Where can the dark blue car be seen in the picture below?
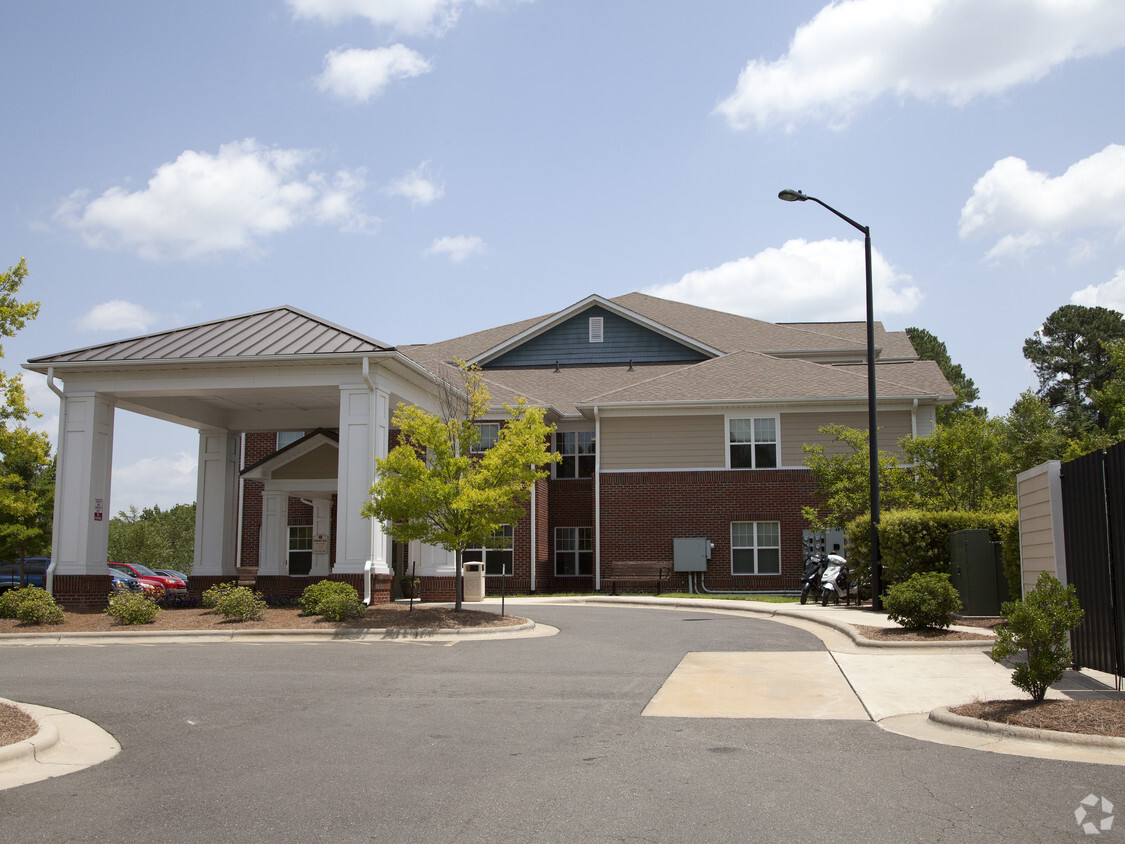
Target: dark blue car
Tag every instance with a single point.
(33, 573)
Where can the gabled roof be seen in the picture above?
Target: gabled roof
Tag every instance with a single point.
(299, 448)
(277, 332)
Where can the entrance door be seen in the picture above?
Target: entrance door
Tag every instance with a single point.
(300, 549)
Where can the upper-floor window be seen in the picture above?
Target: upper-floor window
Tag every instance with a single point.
(487, 435)
(753, 443)
(497, 559)
(577, 449)
(574, 551)
(285, 438)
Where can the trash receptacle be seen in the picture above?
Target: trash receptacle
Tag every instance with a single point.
(474, 581)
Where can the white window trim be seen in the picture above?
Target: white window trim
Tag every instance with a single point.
(756, 548)
(290, 436)
(476, 447)
(776, 417)
(575, 454)
(574, 529)
(508, 571)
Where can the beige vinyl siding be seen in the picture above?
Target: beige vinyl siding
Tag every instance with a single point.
(1038, 543)
(800, 428)
(662, 442)
(319, 463)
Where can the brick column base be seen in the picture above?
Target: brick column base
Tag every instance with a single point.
(82, 591)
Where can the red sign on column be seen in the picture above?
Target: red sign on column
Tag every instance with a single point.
(97, 509)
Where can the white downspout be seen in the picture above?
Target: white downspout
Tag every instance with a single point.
(533, 528)
(49, 577)
(241, 499)
(597, 500)
(914, 420)
(370, 564)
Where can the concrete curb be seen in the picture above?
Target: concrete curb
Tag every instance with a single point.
(140, 637)
(943, 716)
(46, 737)
(775, 611)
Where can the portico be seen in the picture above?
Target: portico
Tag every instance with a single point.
(280, 369)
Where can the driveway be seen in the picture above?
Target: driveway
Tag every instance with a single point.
(537, 739)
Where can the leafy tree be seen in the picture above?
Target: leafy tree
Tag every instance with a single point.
(434, 488)
(842, 477)
(26, 471)
(963, 465)
(153, 537)
(1072, 360)
(1032, 433)
(929, 347)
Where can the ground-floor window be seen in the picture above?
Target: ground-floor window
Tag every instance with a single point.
(497, 558)
(300, 549)
(574, 551)
(755, 548)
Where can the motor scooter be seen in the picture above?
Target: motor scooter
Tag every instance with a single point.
(834, 580)
(810, 580)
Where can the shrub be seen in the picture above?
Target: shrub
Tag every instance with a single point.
(132, 608)
(315, 593)
(33, 605)
(339, 606)
(211, 595)
(240, 603)
(925, 600)
(1039, 625)
(10, 602)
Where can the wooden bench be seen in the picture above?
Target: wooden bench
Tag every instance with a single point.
(638, 571)
(247, 576)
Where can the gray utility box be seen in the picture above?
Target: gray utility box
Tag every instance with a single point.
(474, 581)
(691, 554)
(976, 570)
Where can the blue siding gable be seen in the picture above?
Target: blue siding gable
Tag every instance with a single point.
(623, 341)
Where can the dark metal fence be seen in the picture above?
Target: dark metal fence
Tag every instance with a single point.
(1093, 493)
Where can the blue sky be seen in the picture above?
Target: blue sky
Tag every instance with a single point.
(419, 169)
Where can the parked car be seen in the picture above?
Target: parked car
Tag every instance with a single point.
(179, 575)
(122, 582)
(34, 573)
(169, 585)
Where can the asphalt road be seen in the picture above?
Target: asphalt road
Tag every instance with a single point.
(502, 740)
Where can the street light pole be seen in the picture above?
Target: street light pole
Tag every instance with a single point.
(872, 422)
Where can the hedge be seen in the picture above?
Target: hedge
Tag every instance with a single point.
(916, 541)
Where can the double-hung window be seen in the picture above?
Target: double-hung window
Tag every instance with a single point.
(577, 449)
(753, 443)
(755, 548)
(487, 435)
(285, 438)
(497, 558)
(574, 551)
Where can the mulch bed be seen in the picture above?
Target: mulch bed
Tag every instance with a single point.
(15, 725)
(1090, 717)
(926, 634)
(390, 616)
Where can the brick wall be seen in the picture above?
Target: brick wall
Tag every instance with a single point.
(642, 512)
(81, 591)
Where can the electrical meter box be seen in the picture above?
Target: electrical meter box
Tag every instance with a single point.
(691, 554)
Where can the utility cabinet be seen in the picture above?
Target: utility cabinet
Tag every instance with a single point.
(691, 553)
(976, 570)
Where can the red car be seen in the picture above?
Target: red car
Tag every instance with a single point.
(168, 585)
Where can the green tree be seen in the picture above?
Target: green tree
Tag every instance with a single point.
(842, 478)
(963, 465)
(1032, 433)
(929, 347)
(26, 471)
(1072, 360)
(433, 487)
(163, 539)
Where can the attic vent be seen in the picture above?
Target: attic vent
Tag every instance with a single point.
(596, 333)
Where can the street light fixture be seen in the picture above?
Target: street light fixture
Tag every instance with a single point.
(872, 426)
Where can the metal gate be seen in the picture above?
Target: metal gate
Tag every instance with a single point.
(1093, 494)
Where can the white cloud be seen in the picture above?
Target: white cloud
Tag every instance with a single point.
(358, 75)
(418, 186)
(800, 282)
(853, 52)
(412, 17)
(117, 315)
(458, 248)
(1011, 197)
(201, 204)
(154, 480)
(1108, 295)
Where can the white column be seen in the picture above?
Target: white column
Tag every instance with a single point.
(364, 430)
(82, 480)
(274, 545)
(322, 530)
(215, 491)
